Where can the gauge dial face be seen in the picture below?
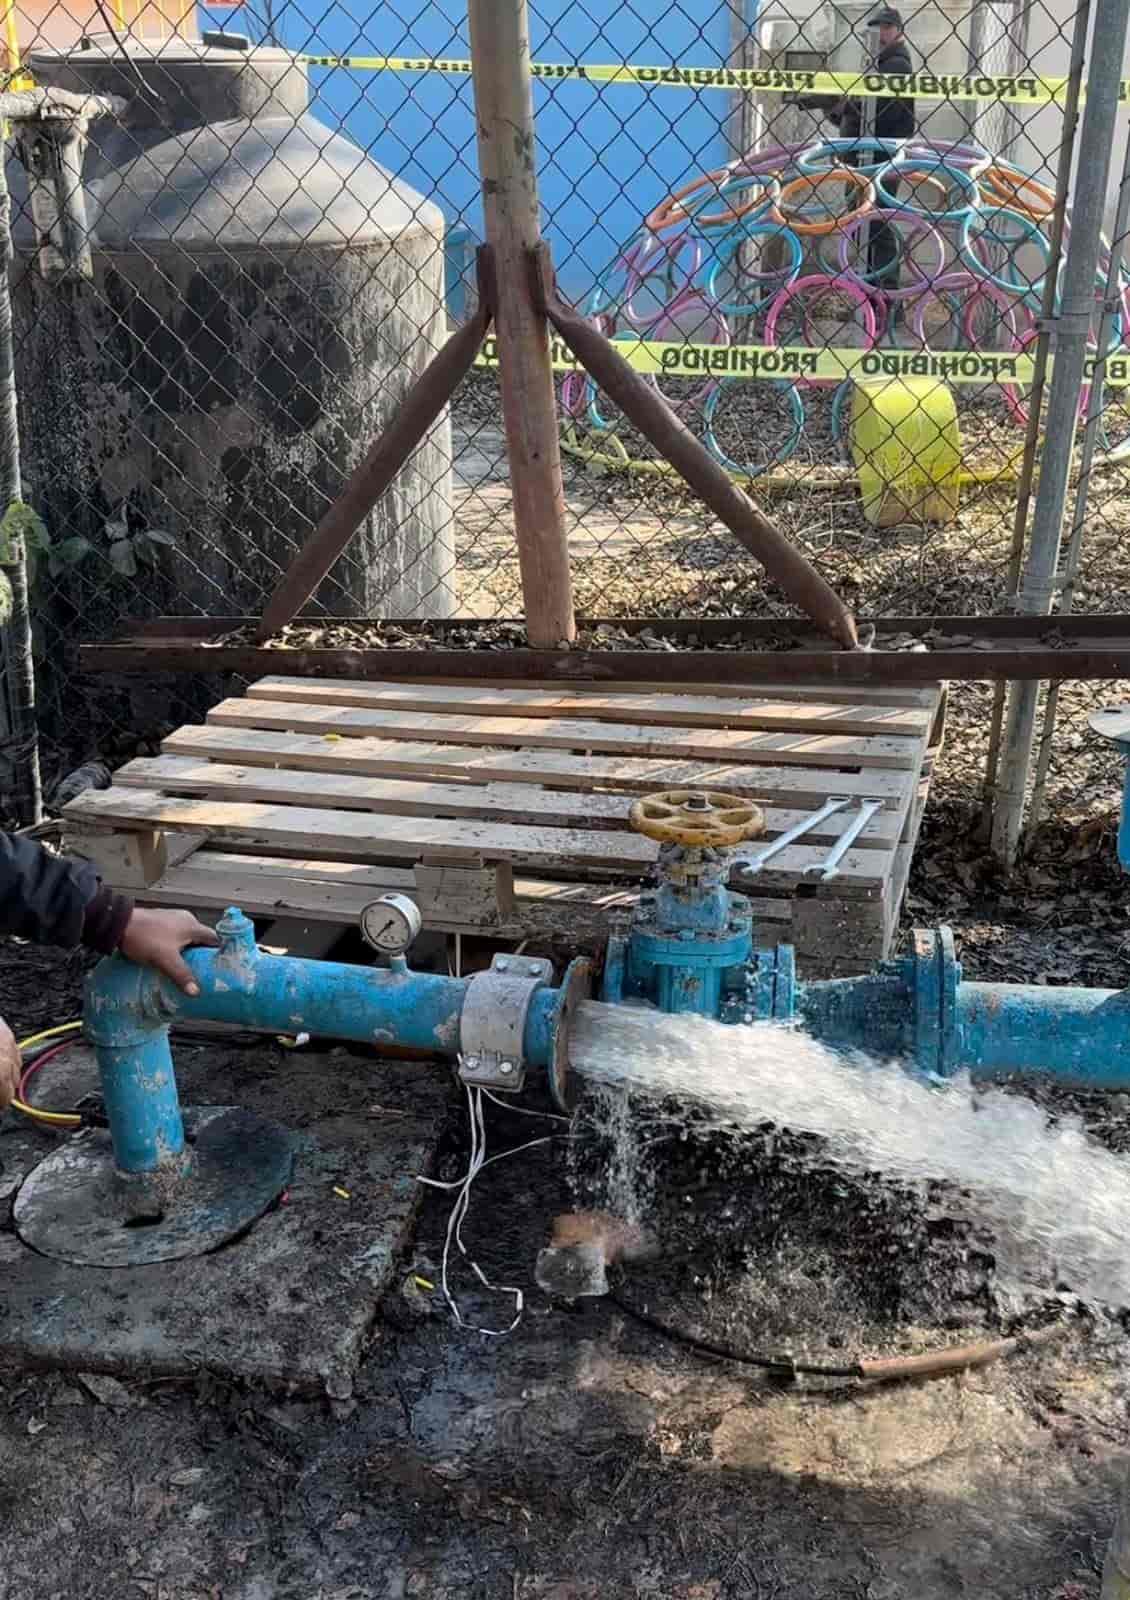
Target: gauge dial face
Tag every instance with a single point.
(390, 924)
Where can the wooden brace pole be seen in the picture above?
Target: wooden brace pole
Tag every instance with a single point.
(500, 60)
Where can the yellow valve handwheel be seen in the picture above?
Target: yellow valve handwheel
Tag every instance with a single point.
(697, 817)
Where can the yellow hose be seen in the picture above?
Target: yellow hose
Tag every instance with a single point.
(622, 461)
(53, 1119)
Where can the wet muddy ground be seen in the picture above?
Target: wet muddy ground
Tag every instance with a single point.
(587, 1456)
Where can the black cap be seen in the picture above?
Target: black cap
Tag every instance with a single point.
(885, 17)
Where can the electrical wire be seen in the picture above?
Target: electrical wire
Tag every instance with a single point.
(51, 1119)
(477, 1160)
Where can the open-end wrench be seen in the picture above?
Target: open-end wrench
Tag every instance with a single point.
(830, 866)
(752, 864)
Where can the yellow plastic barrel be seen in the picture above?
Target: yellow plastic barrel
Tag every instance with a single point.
(906, 446)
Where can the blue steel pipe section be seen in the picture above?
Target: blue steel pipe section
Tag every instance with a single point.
(139, 1088)
(129, 1010)
(920, 1009)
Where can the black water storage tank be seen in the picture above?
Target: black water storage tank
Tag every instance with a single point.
(263, 296)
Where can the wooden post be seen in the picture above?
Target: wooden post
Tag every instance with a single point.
(500, 57)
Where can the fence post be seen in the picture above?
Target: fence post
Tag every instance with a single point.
(500, 64)
(19, 730)
(1027, 477)
(1095, 405)
(1073, 324)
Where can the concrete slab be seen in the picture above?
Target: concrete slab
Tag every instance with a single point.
(290, 1302)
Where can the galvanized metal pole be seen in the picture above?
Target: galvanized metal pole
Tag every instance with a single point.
(1073, 324)
(1027, 479)
(1083, 485)
(19, 734)
(504, 115)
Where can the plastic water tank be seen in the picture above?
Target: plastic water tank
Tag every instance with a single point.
(263, 296)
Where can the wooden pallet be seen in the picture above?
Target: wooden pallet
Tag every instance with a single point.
(504, 809)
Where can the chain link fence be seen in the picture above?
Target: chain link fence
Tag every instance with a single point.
(284, 223)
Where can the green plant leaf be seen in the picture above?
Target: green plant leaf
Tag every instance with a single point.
(122, 557)
(70, 552)
(21, 522)
(161, 536)
(116, 530)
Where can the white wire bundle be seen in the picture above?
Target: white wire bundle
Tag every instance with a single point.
(477, 1161)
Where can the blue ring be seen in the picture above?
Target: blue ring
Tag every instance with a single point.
(1032, 234)
(741, 235)
(839, 399)
(807, 160)
(960, 178)
(796, 406)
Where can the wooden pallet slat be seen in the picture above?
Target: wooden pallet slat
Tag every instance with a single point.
(802, 787)
(504, 808)
(765, 714)
(698, 744)
(515, 803)
(340, 833)
(336, 893)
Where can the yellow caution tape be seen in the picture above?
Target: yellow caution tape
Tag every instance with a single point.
(1028, 89)
(787, 364)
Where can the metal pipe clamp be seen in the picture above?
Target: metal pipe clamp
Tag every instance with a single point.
(492, 1025)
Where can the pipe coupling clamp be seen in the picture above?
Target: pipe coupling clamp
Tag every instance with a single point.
(492, 1025)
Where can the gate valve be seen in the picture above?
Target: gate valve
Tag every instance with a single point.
(697, 818)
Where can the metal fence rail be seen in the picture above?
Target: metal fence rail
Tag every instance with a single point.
(840, 276)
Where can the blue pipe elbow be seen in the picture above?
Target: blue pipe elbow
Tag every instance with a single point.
(129, 1010)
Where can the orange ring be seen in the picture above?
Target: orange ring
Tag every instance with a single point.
(671, 211)
(1008, 190)
(719, 219)
(814, 180)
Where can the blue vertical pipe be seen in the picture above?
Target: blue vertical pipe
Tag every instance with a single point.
(139, 1088)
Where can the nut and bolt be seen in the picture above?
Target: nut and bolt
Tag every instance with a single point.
(506, 1068)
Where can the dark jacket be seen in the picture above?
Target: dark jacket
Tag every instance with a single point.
(894, 119)
(54, 900)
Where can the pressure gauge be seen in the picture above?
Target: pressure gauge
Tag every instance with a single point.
(390, 924)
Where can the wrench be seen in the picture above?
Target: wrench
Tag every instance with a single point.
(752, 864)
(830, 866)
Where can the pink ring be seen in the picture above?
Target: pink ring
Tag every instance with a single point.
(824, 282)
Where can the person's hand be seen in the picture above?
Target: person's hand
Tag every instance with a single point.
(9, 1066)
(155, 938)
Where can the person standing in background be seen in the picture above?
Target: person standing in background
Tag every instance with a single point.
(894, 119)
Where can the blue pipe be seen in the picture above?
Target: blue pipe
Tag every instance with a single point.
(129, 1010)
(919, 1008)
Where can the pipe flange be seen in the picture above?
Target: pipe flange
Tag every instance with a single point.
(493, 1020)
(936, 978)
(576, 986)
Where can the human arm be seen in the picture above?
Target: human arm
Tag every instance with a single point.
(61, 901)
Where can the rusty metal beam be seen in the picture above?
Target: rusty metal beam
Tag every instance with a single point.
(980, 648)
(372, 476)
(646, 407)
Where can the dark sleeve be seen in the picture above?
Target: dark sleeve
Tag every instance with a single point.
(54, 900)
(896, 119)
(850, 119)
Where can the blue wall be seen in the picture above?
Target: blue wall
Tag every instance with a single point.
(606, 157)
